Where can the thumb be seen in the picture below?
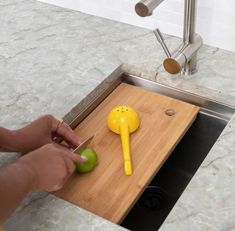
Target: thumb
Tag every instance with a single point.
(77, 158)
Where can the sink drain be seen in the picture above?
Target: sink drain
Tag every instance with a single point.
(154, 198)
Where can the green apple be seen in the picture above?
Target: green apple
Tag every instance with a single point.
(91, 162)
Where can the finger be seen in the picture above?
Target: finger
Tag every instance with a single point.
(54, 188)
(70, 166)
(76, 158)
(68, 169)
(55, 123)
(62, 146)
(64, 130)
(65, 146)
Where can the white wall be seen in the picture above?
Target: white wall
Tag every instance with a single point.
(215, 21)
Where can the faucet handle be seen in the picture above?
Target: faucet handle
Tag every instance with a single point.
(171, 64)
(160, 39)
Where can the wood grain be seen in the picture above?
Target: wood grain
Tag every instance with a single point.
(107, 191)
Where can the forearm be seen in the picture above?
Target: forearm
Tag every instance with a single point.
(8, 141)
(16, 181)
(17, 140)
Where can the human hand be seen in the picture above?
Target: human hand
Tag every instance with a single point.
(49, 166)
(46, 168)
(43, 131)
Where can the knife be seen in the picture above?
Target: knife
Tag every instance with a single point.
(83, 145)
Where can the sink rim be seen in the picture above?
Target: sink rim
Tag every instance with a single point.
(83, 108)
(207, 106)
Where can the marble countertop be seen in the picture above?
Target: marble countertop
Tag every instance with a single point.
(52, 58)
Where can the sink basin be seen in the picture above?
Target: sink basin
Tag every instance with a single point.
(169, 183)
(161, 194)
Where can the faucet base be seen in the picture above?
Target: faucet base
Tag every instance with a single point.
(188, 72)
(190, 67)
(184, 59)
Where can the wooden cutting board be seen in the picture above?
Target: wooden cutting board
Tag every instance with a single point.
(107, 191)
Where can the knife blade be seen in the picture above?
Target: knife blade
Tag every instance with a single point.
(84, 144)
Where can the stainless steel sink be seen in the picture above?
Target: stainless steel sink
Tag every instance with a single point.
(169, 183)
(161, 195)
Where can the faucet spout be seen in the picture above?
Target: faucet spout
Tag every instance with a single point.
(145, 7)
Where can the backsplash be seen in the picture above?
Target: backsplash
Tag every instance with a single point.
(215, 19)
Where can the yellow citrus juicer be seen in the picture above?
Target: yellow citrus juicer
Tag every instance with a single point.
(124, 120)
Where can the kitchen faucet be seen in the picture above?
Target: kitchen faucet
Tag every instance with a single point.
(184, 58)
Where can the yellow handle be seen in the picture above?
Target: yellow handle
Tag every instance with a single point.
(126, 148)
